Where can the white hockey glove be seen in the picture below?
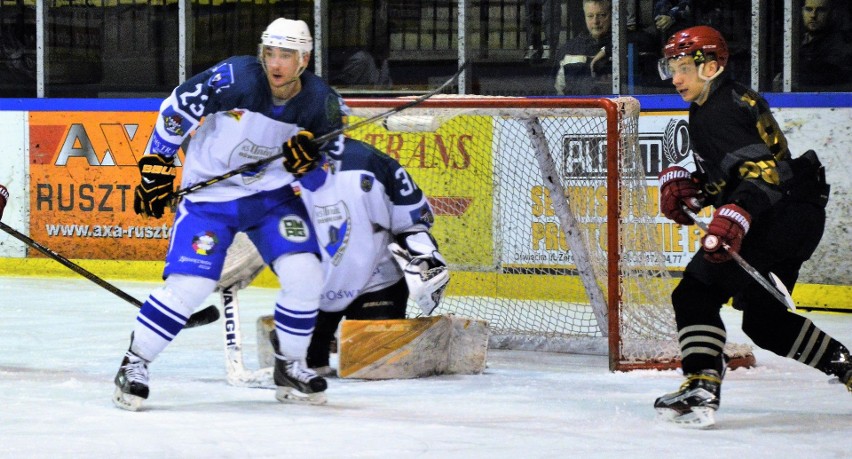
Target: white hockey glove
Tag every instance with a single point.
(243, 264)
(425, 270)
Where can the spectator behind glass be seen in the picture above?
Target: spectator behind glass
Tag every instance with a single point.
(537, 24)
(671, 15)
(585, 65)
(365, 71)
(824, 57)
(674, 15)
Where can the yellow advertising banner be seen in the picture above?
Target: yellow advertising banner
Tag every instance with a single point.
(83, 171)
(449, 165)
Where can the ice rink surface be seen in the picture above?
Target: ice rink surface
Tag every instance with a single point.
(62, 340)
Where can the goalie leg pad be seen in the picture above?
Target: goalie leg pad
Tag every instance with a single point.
(412, 348)
(243, 264)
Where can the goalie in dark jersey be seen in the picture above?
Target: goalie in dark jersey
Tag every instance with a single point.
(769, 208)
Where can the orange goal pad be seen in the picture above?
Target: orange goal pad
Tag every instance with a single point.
(412, 348)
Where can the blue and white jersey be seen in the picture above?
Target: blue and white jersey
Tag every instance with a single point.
(241, 124)
(366, 199)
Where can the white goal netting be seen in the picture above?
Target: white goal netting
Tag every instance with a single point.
(545, 215)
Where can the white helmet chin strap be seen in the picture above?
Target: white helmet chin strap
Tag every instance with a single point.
(711, 77)
(301, 68)
(707, 80)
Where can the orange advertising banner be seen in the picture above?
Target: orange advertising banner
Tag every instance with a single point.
(83, 171)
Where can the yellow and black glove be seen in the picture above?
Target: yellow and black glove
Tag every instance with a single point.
(156, 189)
(301, 154)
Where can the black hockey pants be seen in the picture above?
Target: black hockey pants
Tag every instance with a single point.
(779, 241)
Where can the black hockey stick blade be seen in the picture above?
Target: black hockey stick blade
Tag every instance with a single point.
(779, 291)
(321, 139)
(205, 316)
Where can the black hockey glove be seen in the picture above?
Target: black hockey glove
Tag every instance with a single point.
(156, 189)
(301, 154)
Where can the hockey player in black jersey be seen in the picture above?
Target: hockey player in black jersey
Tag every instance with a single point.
(769, 208)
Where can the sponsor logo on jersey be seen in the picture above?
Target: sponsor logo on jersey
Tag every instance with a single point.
(294, 229)
(367, 182)
(173, 124)
(205, 243)
(334, 227)
(223, 77)
(249, 152)
(236, 114)
(423, 214)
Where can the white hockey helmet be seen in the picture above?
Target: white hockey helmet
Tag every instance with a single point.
(289, 34)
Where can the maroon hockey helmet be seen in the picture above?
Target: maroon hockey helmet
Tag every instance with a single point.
(698, 42)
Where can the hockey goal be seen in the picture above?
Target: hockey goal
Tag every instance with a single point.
(544, 212)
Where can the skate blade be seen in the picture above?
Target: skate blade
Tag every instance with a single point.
(290, 395)
(127, 402)
(697, 418)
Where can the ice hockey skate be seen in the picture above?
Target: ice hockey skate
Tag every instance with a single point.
(296, 383)
(131, 382)
(695, 404)
(326, 371)
(840, 365)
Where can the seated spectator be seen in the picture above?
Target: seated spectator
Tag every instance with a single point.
(585, 66)
(585, 62)
(824, 57)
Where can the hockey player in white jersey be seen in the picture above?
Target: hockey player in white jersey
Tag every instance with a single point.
(253, 107)
(372, 224)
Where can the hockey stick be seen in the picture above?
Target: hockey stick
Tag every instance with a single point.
(321, 139)
(779, 291)
(237, 374)
(203, 317)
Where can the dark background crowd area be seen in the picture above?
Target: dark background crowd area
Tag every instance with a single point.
(130, 48)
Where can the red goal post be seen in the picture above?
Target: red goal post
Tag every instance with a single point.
(529, 194)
